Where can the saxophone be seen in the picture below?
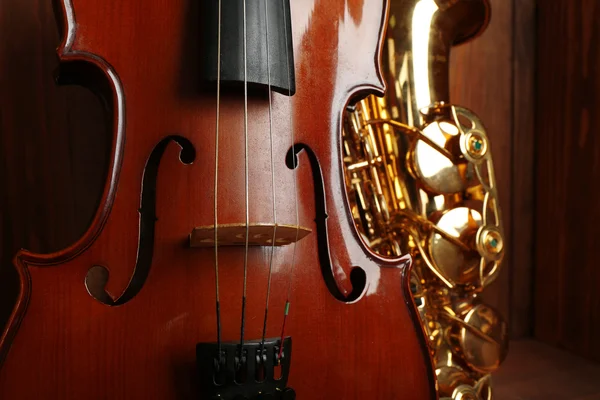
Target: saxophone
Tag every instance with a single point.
(420, 180)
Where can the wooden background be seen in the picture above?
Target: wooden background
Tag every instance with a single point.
(567, 226)
(53, 146)
(493, 76)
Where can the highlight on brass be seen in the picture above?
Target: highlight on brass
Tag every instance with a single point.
(420, 179)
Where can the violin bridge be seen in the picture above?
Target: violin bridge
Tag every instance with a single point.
(259, 234)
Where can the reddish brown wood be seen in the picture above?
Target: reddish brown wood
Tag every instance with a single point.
(494, 76)
(53, 144)
(480, 79)
(522, 188)
(63, 344)
(567, 299)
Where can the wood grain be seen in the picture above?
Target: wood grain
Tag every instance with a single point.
(66, 342)
(481, 80)
(521, 264)
(53, 144)
(567, 299)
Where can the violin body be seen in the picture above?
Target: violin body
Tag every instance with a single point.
(121, 312)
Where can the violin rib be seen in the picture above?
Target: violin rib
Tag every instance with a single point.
(129, 310)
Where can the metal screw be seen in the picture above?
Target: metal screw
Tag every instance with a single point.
(493, 242)
(476, 146)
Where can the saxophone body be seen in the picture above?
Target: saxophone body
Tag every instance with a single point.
(420, 179)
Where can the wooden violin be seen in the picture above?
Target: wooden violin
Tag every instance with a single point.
(223, 261)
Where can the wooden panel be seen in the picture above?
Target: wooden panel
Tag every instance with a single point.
(53, 143)
(481, 79)
(522, 185)
(567, 216)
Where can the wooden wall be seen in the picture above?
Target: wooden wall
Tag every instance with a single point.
(567, 225)
(53, 141)
(493, 76)
(534, 78)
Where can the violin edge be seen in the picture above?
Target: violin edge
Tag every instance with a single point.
(420, 329)
(353, 94)
(24, 258)
(404, 262)
(65, 19)
(74, 67)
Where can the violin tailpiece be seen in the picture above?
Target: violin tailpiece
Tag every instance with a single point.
(256, 377)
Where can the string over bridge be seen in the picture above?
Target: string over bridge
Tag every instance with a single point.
(259, 234)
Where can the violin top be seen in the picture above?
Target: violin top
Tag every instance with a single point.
(223, 250)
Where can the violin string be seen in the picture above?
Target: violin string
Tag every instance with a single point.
(246, 184)
(264, 333)
(217, 186)
(295, 180)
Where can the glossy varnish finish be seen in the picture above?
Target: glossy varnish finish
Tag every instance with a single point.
(62, 343)
(53, 144)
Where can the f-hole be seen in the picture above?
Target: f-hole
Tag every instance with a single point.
(97, 276)
(358, 276)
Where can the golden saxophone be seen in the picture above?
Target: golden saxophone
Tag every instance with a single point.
(420, 180)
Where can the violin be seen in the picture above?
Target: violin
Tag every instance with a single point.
(223, 261)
